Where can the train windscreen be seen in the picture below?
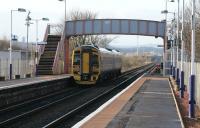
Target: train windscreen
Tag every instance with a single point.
(77, 58)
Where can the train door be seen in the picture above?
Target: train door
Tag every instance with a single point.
(76, 61)
(95, 63)
(85, 74)
(95, 66)
(86, 58)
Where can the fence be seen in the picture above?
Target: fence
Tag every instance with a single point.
(187, 69)
(20, 65)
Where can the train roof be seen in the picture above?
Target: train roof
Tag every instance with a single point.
(89, 46)
(115, 51)
(104, 50)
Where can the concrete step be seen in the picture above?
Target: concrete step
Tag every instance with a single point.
(47, 59)
(46, 63)
(45, 72)
(50, 49)
(51, 45)
(44, 68)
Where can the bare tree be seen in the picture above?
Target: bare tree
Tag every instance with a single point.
(97, 40)
(187, 29)
(85, 39)
(5, 44)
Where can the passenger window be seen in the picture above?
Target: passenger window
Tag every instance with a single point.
(95, 60)
(77, 58)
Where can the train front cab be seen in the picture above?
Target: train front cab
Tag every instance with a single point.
(85, 65)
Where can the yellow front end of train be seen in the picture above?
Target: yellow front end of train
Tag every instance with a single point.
(85, 65)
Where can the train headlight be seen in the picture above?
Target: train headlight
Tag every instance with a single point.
(76, 68)
(95, 68)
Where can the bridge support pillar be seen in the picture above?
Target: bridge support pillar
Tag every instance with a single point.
(66, 56)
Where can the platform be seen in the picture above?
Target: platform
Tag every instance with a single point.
(29, 81)
(147, 103)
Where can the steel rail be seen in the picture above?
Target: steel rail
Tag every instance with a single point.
(9, 108)
(38, 109)
(74, 111)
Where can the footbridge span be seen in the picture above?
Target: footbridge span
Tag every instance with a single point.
(99, 27)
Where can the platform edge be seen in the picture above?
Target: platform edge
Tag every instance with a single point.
(177, 107)
(90, 116)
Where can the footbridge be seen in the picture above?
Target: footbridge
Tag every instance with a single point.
(99, 27)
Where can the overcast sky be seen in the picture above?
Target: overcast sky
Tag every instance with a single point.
(54, 10)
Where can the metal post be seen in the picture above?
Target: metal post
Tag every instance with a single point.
(182, 88)
(174, 63)
(36, 53)
(11, 47)
(171, 57)
(171, 52)
(192, 77)
(27, 47)
(65, 11)
(27, 23)
(177, 44)
(165, 41)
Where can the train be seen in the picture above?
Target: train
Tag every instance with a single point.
(91, 64)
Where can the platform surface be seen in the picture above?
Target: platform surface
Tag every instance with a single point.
(152, 106)
(28, 81)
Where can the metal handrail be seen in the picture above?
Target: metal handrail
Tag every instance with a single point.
(58, 50)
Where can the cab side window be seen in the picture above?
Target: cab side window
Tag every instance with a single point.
(95, 60)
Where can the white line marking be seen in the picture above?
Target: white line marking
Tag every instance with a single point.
(87, 118)
(158, 93)
(177, 108)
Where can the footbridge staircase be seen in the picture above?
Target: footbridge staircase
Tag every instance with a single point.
(51, 59)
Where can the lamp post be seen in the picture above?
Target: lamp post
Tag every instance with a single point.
(177, 45)
(182, 50)
(165, 40)
(28, 24)
(19, 10)
(192, 77)
(172, 42)
(65, 9)
(173, 51)
(172, 46)
(36, 52)
(173, 64)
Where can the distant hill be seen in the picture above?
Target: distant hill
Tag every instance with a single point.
(141, 50)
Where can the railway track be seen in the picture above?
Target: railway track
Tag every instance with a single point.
(63, 120)
(16, 112)
(50, 110)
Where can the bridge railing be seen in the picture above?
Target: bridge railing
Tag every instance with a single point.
(58, 65)
(55, 29)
